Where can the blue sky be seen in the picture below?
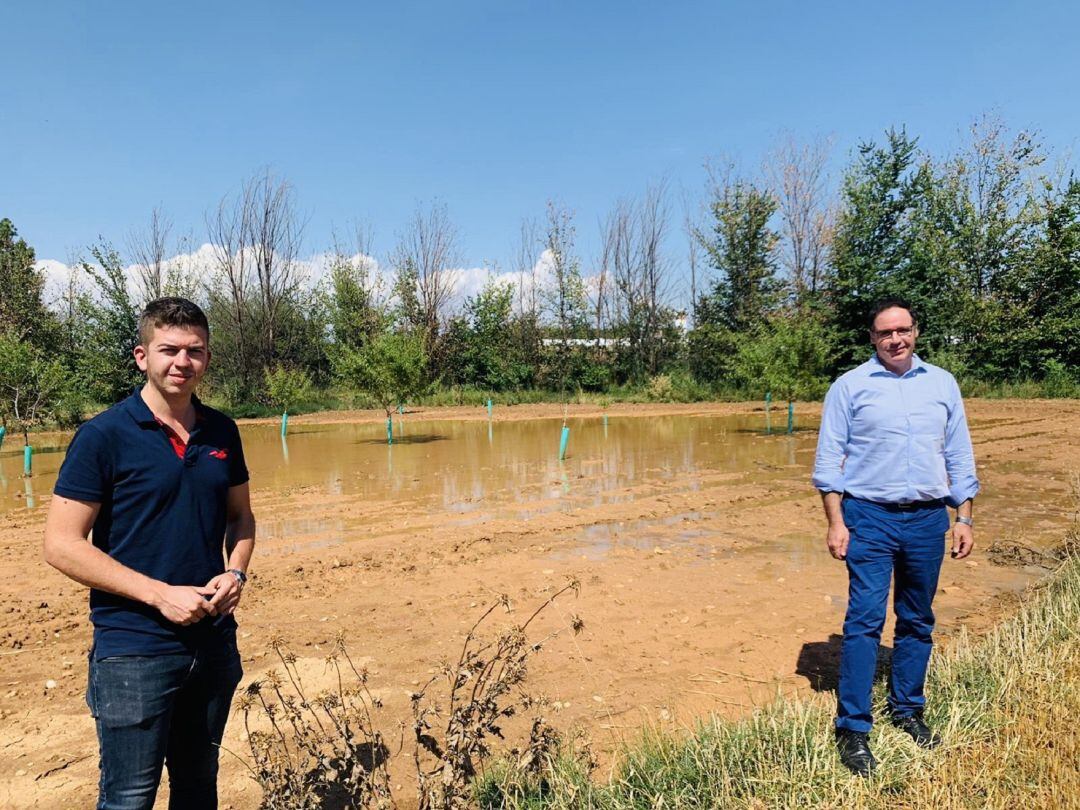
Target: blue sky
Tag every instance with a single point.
(108, 109)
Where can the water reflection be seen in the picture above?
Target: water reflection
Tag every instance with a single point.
(458, 466)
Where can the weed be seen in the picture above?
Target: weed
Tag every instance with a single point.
(311, 751)
(481, 691)
(318, 749)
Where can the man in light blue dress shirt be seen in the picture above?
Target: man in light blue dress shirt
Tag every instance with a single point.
(893, 451)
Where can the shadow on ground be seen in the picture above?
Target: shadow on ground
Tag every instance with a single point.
(819, 663)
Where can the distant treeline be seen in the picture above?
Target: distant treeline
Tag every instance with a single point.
(781, 268)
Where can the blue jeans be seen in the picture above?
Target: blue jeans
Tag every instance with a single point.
(888, 542)
(159, 709)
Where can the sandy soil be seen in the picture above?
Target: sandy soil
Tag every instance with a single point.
(748, 607)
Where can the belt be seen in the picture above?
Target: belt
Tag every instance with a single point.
(909, 506)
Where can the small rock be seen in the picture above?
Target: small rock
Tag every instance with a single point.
(50, 684)
(598, 698)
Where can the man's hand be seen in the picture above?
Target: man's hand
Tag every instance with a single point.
(226, 589)
(837, 539)
(963, 540)
(184, 604)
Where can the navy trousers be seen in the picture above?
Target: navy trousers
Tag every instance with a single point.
(887, 543)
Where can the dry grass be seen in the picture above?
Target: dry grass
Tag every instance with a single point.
(1006, 704)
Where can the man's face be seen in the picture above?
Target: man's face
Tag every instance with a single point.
(174, 359)
(894, 336)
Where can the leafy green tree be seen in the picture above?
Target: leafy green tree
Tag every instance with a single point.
(742, 249)
(355, 314)
(872, 246)
(484, 353)
(390, 367)
(110, 320)
(710, 352)
(980, 223)
(22, 310)
(287, 387)
(1036, 303)
(34, 387)
(789, 355)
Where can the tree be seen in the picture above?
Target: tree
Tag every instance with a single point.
(797, 175)
(977, 224)
(742, 249)
(424, 258)
(147, 248)
(789, 355)
(1037, 298)
(22, 310)
(109, 326)
(256, 237)
(34, 388)
(633, 239)
(287, 387)
(357, 309)
(563, 298)
(486, 354)
(526, 325)
(390, 367)
(873, 243)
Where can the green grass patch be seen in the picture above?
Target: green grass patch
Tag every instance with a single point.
(1005, 703)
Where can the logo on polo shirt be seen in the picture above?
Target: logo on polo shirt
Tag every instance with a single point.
(222, 454)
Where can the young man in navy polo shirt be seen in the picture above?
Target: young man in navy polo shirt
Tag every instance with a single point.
(160, 479)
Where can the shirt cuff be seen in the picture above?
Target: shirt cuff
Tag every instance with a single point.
(964, 491)
(829, 483)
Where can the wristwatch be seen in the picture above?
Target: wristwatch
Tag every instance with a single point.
(241, 577)
(965, 520)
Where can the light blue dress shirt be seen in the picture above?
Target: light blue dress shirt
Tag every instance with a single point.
(896, 438)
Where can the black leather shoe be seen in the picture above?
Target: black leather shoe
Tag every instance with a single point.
(854, 748)
(914, 727)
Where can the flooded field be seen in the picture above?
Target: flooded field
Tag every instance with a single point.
(696, 536)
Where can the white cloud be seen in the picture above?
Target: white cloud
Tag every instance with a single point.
(468, 281)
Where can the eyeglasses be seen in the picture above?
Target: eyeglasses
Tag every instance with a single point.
(883, 334)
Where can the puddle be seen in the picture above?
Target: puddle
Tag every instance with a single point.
(337, 483)
(462, 467)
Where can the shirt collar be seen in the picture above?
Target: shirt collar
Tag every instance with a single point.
(138, 410)
(875, 366)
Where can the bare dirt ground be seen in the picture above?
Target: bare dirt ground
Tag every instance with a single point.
(749, 608)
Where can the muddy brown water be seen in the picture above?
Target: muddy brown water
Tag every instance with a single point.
(469, 467)
(697, 539)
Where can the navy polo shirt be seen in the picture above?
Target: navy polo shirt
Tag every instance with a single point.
(161, 515)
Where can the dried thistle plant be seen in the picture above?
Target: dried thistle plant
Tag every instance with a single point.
(318, 751)
(480, 692)
(326, 750)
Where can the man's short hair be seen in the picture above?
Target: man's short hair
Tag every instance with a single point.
(170, 312)
(889, 303)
